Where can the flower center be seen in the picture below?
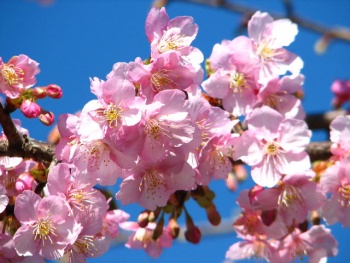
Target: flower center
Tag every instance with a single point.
(171, 41)
(11, 74)
(152, 181)
(237, 82)
(272, 148)
(79, 198)
(266, 52)
(153, 128)
(112, 114)
(43, 229)
(85, 245)
(344, 197)
(290, 196)
(162, 80)
(143, 235)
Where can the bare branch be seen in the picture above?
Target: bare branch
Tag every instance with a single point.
(342, 34)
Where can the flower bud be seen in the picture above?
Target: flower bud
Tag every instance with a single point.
(213, 215)
(173, 227)
(30, 109)
(54, 91)
(24, 182)
(38, 92)
(142, 219)
(46, 117)
(193, 235)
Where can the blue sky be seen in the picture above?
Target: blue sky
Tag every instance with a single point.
(74, 40)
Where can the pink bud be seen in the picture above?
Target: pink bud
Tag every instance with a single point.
(24, 182)
(38, 92)
(47, 117)
(30, 109)
(341, 90)
(193, 235)
(54, 91)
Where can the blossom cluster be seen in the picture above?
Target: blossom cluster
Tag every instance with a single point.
(165, 133)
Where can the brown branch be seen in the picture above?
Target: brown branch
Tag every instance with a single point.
(323, 120)
(20, 145)
(342, 34)
(319, 151)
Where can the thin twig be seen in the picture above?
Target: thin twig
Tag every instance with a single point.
(342, 34)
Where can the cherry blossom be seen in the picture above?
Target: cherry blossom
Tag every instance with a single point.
(269, 37)
(151, 184)
(339, 136)
(273, 146)
(47, 225)
(336, 181)
(17, 75)
(142, 238)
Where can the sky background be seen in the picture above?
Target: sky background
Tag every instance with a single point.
(74, 40)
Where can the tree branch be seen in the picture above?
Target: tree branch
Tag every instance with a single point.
(20, 145)
(342, 34)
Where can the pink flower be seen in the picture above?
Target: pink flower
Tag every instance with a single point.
(142, 238)
(151, 184)
(165, 125)
(17, 75)
(316, 243)
(340, 137)
(111, 222)
(167, 71)
(235, 78)
(341, 90)
(269, 37)
(252, 246)
(47, 225)
(336, 181)
(7, 249)
(255, 221)
(88, 243)
(294, 197)
(273, 146)
(175, 34)
(279, 94)
(4, 200)
(214, 162)
(75, 187)
(116, 107)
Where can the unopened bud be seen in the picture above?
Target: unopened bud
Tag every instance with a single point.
(46, 117)
(240, 172)
(38, 92)
(24, 182)
(173, 227)
(54, 91)
(30, 109)
(231, 182)
(193, 235)
(213, 215)
(142, 219)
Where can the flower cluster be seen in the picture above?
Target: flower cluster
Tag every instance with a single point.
(165, 133)
(17, 78)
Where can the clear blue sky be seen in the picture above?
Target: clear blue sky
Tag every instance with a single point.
(77, 39)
